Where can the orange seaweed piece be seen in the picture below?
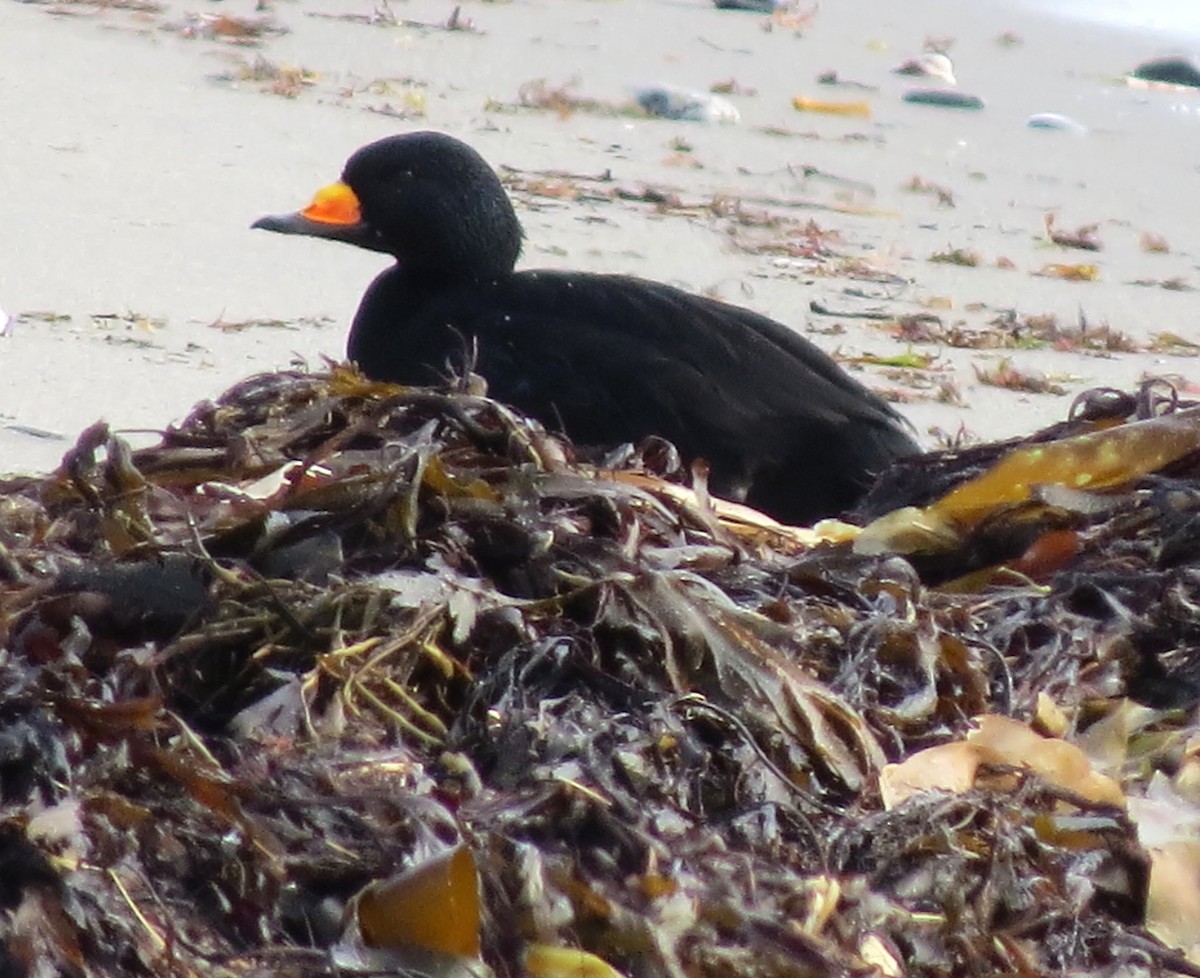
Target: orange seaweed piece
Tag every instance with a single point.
(1048, 554)
(1095, 461)
(997, 740)
(1071, 273)
(859, 110)
(545, 961)
(434, 905)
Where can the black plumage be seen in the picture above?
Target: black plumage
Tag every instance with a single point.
(606, 359)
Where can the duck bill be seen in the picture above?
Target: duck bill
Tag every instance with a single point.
(334, 214)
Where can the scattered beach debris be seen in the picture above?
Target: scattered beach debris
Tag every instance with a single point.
(1176, 283)
(849, 186)
(944, 98)
(787, 16)
(682, 154)
(439, 700)
(1054, 122)
(413, 107)
(819, 308)
(71, 7)
(563, 99)
(127, 319)
(243, 31)
(1153, 243)
(1081, 272)
(670, 102)
(731, 86)
(965, 257)
(910, 360)
(921, 384)
(1005, 374)
(299, 323)
(457, 21)
(752, 223)
(406, 96)
(938, 43)
(1088, 337)
(943, 196)
(1083, 237)
(273, 79)
(935, 65)
(834, 78)
(383, 16)
(1171, 72)
(1013, 332)
(1173, 344)
(759, 6)
(32, 432)
(43, 316)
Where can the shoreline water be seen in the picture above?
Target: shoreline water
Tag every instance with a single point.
(1171, 20)
(134, 222)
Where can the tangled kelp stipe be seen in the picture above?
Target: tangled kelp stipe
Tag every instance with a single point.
(328, 631)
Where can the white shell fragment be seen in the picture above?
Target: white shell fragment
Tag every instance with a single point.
(668, 102)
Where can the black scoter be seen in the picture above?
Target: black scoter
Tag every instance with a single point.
(606, 359)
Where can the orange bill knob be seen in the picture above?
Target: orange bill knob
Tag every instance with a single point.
(334, 204)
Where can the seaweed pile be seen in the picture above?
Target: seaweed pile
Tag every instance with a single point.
(348, 678)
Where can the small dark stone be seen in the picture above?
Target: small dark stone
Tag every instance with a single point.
(1173, 70)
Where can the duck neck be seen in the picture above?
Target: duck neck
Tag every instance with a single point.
(443, 244)
(434, 278)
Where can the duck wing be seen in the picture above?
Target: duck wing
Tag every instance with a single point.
(609, 359)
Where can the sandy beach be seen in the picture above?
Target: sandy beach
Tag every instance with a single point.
(142, 141)
(340, 680)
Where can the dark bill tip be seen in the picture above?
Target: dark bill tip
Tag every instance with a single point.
(359, 234)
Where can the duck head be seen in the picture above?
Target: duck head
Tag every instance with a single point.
(426, 198)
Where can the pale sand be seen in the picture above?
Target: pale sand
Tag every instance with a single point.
(130, 180)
